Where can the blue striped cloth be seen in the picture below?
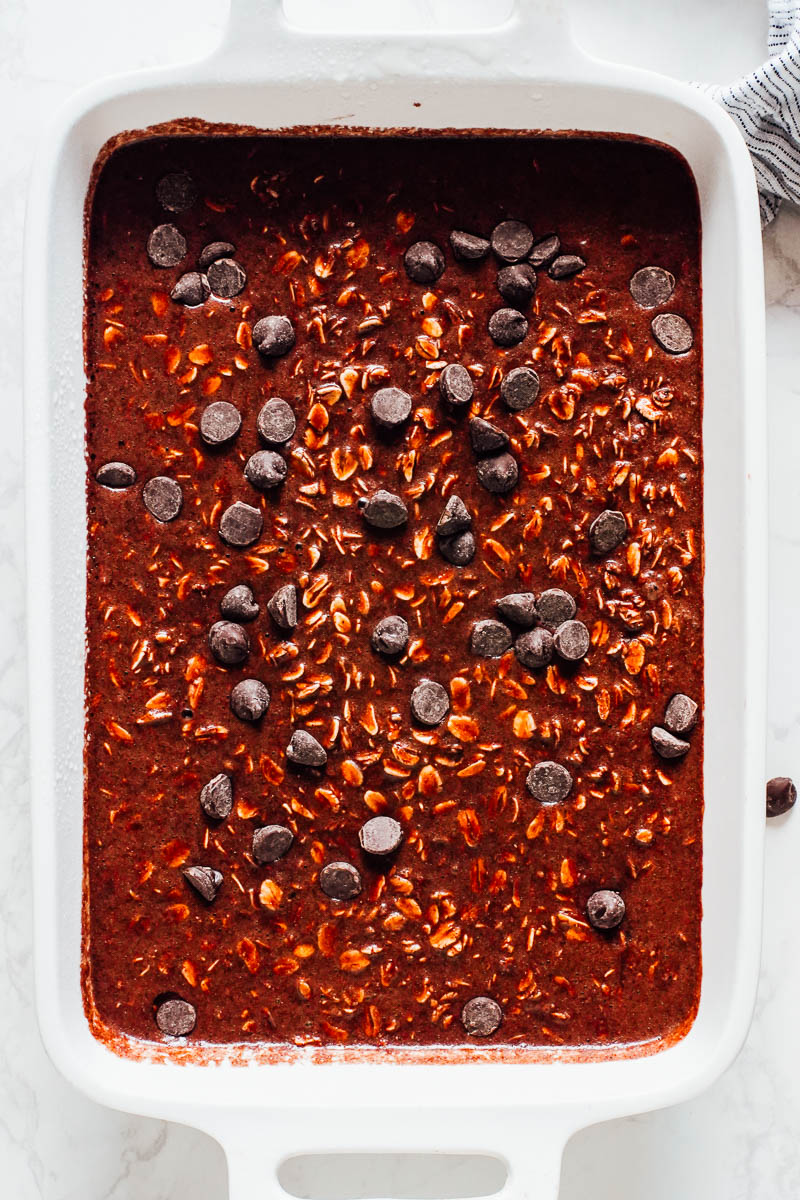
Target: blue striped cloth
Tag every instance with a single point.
(766, 106)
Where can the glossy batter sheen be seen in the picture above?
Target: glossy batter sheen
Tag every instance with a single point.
(487, 895)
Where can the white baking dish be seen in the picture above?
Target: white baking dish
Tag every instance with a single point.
(527, 74)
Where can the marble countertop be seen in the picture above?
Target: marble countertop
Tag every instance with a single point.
(740, 1140)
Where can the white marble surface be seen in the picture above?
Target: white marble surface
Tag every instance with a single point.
(737, 1142)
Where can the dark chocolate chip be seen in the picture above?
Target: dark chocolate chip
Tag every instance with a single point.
(511, 241)
(380, 836)
(681, 714)
(390, 407)
(228, 643)
(214, 251)
(544, 250)
(390, 636)
(534, 649)
(166, 246)
(239, 604)
(507, 326)
(565, 266)
(519, 607)
(249, 699)
(216, 798)
(192, 289)
(468, 246)
(572, 641)
(455, 385)
(163, 498)
(241, 524)
(282, 606)
(455, 518)
(486, 437)
(340, 881)
(424, 262)
(385, 510)
(499, 473)
(652, 286)
(266, 469)
(781, 796)
(220, 422)
(271, 842)
(605, 909)
(555, 607)
(116, 475)
(227, 278)
(549, 782)
(204, 880)
(520, 388)
(490, 639)
(481, 1016)
(176, 192)
(517, 284)
(458, 549)
(176, 1018)
(607, 531)
(430, 703)
(276, 422)
(666, 744)
(273, 336)
(305, 750)
(673, 333)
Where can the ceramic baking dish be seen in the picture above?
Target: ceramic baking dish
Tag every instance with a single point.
(527, 74)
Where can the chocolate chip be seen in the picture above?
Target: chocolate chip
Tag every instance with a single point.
(214, 251)
(489, 639)
(216, 798)
(555, 607)
(239, 604)
(572, 641)
(390, 407)
(282, 606)
(517, 284)
(520, 388)
(519, 607)
(507, 326)
(249, 699)
(241, 524)
(455, 385)
(424, 262)
(116, 475)
(534, 649)
(652, 286)
(192, 289)
(228, 643)
(673, 333)
(219, 423)
(176, 1018)
(498, 474)
(271, 842)
(511, 241)
(385, 510)
(455, 518)
(605, 909)
(227, 278)
(204, 880)
(459, 549)
(549, 782)
(380, 836)
(340, 881)
(681, 714)
(430, 703)
(486, 437)
(544, 250)
(390, 636)
(781, 796)
(305, 750)
(468, 246)
(273, 336)
(166, 246)
(176, 192)
(565, 266)
(276, 422)
(607, 531)
(162, 498)
(481, 1016)
(666, 744)
(266, 469)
